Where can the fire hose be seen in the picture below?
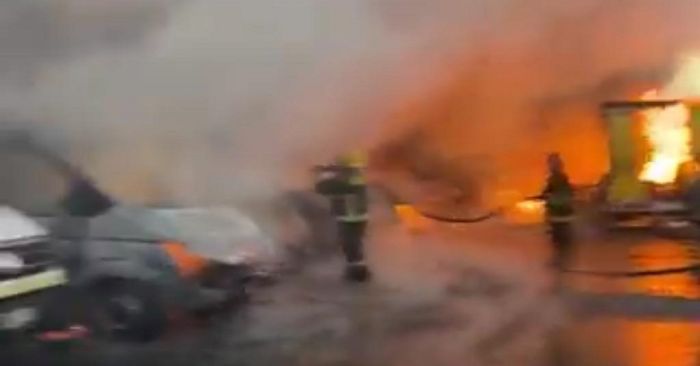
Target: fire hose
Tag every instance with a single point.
(481, 218)
(692, 268)
(462, 220)
(466, 220)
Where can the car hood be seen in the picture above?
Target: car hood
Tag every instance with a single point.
(15, 226)
(221, 234)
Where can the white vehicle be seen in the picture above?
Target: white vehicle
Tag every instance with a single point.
(29, 271)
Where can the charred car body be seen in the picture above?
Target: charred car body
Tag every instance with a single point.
(136, 265)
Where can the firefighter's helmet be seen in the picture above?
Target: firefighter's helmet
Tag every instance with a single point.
(555, 162)
(355, 159)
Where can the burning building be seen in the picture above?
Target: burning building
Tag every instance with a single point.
(654, 148)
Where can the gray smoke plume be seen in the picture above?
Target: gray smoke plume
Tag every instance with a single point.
(220, 100)
(36, 32)
(210, 100)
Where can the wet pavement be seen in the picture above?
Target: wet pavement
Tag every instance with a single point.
(480, 295)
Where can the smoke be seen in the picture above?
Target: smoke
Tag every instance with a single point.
(202, 101)
(224, 100)
(532, 84)
(36, 33)
(686, 80)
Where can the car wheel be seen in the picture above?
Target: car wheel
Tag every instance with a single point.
(128, 310)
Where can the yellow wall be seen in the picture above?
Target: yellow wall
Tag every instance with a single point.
(624, 154)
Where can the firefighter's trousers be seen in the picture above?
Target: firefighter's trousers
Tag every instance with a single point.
(352, 240)
(561, 236)
(352, 236)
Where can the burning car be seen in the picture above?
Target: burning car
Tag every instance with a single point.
(136, 265)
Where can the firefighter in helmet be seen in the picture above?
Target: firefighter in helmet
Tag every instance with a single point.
(344, 184)
(558, 197)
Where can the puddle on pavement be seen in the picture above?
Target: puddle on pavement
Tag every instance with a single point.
(647, 255)
(632, 342)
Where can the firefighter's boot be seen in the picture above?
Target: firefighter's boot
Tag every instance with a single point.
(357, 272)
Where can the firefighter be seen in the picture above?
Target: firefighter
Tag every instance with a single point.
(558, 197)
(344, 184)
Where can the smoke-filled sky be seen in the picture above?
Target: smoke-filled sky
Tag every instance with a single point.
(201, 100)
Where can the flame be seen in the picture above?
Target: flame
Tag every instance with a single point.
(525, 212)
(669, 137)
(411, 219)
(530, 206)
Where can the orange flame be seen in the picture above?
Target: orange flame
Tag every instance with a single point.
(669, 137)
(526, 212)
(411, 219)
(530, 206)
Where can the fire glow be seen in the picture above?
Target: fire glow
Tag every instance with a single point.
(669, 138)
(530, 206)
(411, 218)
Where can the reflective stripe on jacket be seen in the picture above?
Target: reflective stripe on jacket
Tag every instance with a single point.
(560, 218)
(347, 191)
(354, 208)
